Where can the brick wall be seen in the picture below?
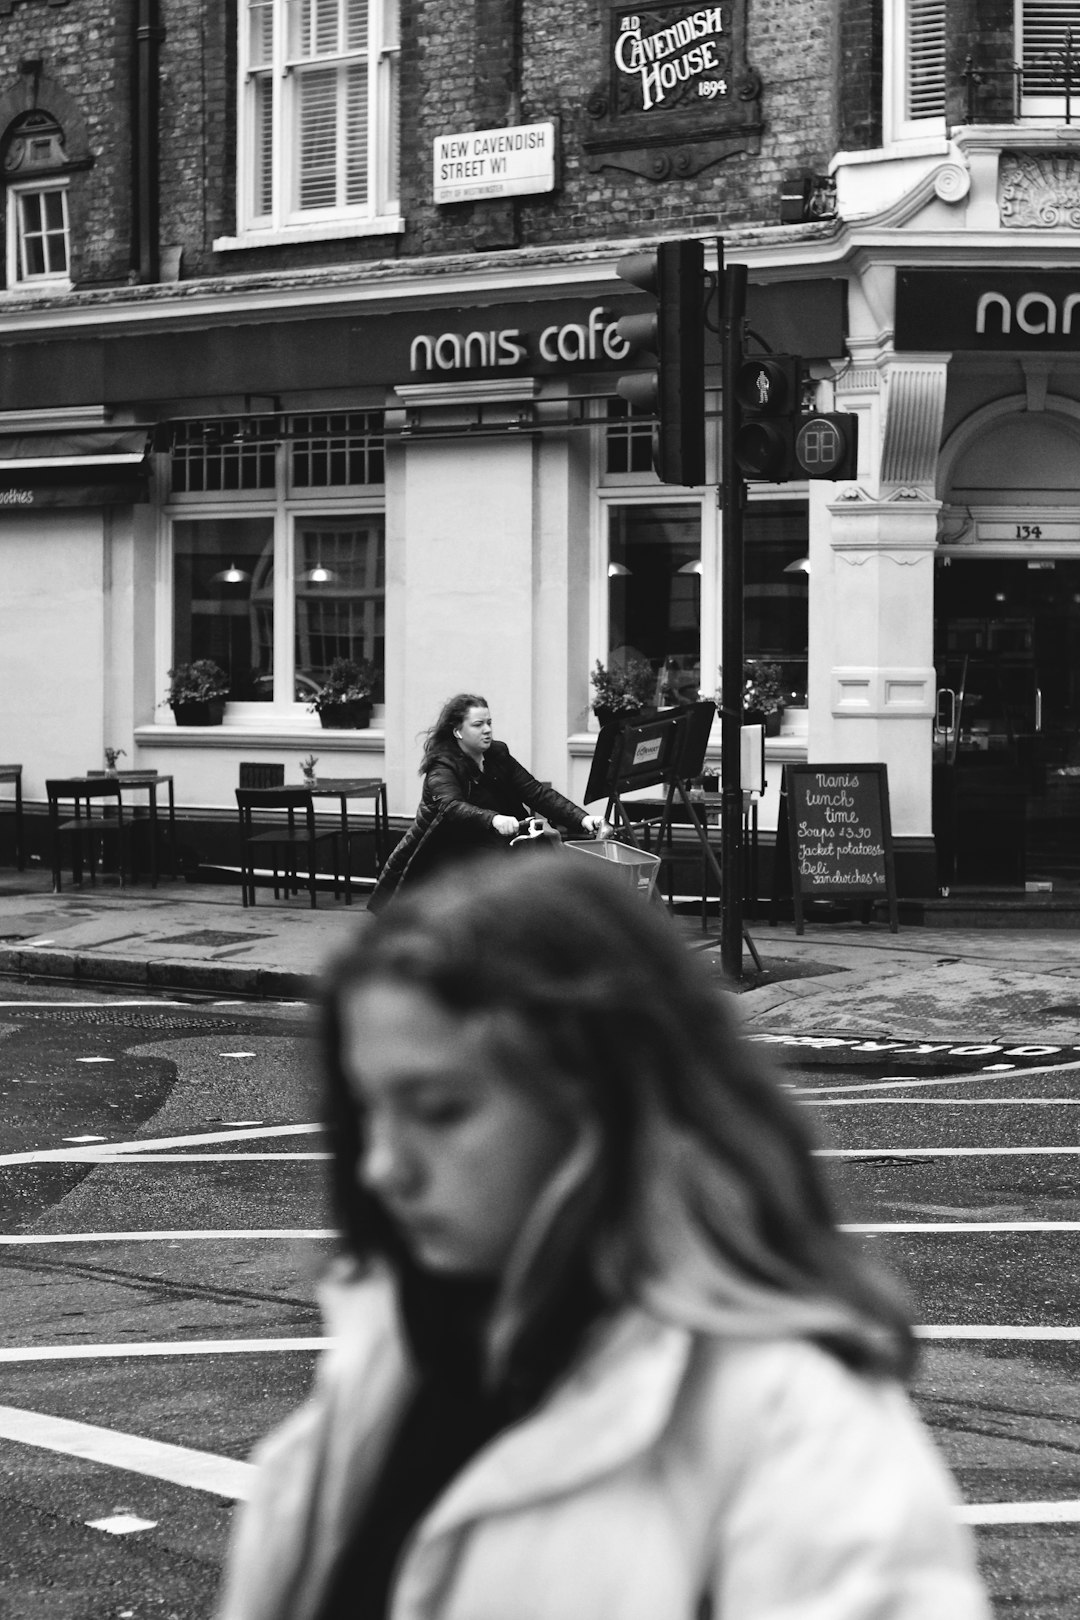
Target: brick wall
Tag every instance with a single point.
(476, 64)
(85, 54)
(980, 32)
(859, 76)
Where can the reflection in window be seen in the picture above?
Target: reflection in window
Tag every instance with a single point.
(654, 594)
(223, 600)
(776, 593)
(628, 439)
(340, 595)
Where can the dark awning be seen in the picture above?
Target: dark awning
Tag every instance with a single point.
(27, 453)
(99, 465)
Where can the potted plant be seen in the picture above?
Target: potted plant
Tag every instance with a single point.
(763, 695)
(111, 757)
(344, 699)
(307, 768)
(622, 690)
(197, 693)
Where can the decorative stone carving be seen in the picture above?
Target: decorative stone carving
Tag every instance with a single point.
(952, 182)
(1039, 191)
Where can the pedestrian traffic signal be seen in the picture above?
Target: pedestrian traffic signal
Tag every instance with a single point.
(673, 338)
(776, 440)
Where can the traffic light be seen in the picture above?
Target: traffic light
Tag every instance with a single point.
(778, 442)
(768, 394)
(674, 337)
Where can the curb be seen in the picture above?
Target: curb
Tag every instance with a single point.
(86, 967)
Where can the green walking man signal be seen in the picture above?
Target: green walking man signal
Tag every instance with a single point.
(777, 441)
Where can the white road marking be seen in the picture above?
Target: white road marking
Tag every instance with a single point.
(197, 1470)
(164, 1347)
(78, 1139)
(95, 1060)
(946, 1102)
(954, 1226)
(932, 1152)
(236, 1054)
(89, 1156)
(229, 1234)
(952, 1330)
(979, 1079)
(121, 1524)
(1019, 1513)
(148, 1144)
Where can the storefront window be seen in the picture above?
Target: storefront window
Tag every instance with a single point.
(340, 595)
(627, 439)
(654, 594)
(223, 600)
(776, 596)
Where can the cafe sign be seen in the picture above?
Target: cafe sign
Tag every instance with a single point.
(493, 163)
(679, 94)
(983, 310)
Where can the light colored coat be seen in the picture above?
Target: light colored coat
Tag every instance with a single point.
(669, 1469)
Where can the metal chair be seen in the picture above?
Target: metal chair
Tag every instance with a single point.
(89, 811)
(281, 840)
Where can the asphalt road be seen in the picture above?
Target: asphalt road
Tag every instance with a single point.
(171, 1335)
(148, 1338)
(958, 1166)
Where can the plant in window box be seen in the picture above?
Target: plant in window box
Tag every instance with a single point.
(622, 690)
(763, 695)
(197, 693)
(344, 700)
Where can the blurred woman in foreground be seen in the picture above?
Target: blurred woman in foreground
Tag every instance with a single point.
(601, 1351)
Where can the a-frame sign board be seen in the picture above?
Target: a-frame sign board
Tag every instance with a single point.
(835, 835)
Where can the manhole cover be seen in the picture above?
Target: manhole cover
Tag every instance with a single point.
(211, 936)
(126, 1020)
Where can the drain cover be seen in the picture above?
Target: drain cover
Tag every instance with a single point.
(211, 936)
(125, 1020)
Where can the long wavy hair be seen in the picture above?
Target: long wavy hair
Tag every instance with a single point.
(691, 1190)
(441, 735)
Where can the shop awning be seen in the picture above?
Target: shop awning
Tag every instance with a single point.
(58, 469)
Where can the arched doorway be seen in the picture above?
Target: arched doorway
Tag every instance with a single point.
(1007, 650)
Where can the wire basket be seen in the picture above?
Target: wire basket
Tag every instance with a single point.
(637, 869)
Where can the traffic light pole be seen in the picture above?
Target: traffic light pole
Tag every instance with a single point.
(732, 494)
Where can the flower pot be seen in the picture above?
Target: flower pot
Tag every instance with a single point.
(196, 712)
(622, 717)
(758, 717)
(346, 716)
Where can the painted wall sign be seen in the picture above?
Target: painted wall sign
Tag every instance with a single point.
(680, 94)
(983, 310)
(493, 163)
(555, 345)
(693, 50)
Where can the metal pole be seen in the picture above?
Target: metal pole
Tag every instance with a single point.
(732, 499)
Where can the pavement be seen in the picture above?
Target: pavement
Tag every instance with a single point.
(923, 982)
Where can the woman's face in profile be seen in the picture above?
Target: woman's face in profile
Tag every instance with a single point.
(455, 1151)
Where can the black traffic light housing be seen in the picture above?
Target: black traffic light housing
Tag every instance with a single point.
(674, 334)
(776, 440)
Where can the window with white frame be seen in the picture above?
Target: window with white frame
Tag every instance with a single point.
(278, 550)
(914, 77)
(39, 234)
(38, 247)
(1048, 54)
(318, 92)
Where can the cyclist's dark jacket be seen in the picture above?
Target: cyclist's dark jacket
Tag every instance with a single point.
(457, 812)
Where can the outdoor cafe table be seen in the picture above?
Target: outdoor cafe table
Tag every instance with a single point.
(344, 788)
(148, 782)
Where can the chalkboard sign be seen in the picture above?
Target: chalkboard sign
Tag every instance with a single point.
(838, 835)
